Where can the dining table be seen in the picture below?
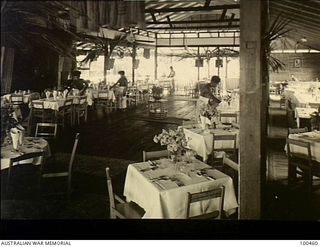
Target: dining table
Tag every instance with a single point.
(29, 145)
(27, 97)
(161, 188)
(201, 140)
(312, 137)
(305, 113)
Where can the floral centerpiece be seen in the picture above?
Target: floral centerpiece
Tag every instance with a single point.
(175, 140)
(10, 123)
(227, 98)
(157, 92)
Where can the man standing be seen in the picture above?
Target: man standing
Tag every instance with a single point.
(123, 82)
(171, 77)
(210, 90)
(76, 83)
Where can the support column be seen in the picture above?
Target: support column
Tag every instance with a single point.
(251, 113)
(198, 55)
(134, 51)
(156, 60)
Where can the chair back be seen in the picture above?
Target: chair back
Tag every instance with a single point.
(73, 154)
(46, 130)
(17, 99)
(37, 104)
(227, 137)
(203, 196)
(229, 115)
(154, 155)
(110, 191)
(26, 157)
(298, 155)
(298, 130)
(83, 100)
(68, 102)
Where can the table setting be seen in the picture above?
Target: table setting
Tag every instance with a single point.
(313, 137)
(24, 146)
(167, 182)
(201, 141)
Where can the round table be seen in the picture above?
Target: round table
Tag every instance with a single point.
(30, 144)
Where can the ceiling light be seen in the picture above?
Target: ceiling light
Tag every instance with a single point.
(304, 39)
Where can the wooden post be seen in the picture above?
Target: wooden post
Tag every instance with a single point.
(251, 112)
(156, 60)
(198, 54)
(105, 63)
(134, 51)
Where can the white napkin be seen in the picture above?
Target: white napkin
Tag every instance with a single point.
(65, 93)
(55, 93)
(15, 135)
(48, 94)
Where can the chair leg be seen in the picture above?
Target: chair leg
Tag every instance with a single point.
(292, 174)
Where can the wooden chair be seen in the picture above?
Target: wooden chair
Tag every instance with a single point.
(59, 170)
(154, 155)
(298, 130)
(206, 195)
(17, 99)
(122, 209)
(232, 168)
(282, 102)
(290, 118)
(230, 152)
(308, 167)
(39, 113)
(228, 115)
(66, 111)
(81, 110)
(20, 158)
(46, 130)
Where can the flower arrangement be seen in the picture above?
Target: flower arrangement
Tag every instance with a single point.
(227, 98)
(175, 140)
(9, 119)
(157, 92)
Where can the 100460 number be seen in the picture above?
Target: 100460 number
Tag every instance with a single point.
(313, 243)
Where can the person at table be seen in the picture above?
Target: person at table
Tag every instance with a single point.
(122, 82)
(171, 76)
(76, 83)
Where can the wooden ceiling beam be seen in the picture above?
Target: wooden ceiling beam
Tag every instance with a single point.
(293, 10)
(194, 27)
(308, 6)
(194, 21)
(209, 8)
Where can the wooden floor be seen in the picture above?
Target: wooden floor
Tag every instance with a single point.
(124, 133)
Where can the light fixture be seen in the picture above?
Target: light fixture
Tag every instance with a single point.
(304, 39)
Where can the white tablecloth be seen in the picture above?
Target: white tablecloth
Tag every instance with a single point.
(55, 104)
(164, 199)
(301, 112)
(313, 138)
(201, 141)
(26, 97)
(30, 145)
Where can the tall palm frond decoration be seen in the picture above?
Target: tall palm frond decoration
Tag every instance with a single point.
(26, 24)
(276, 31)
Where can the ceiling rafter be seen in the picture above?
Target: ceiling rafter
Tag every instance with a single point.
(195, 21)
(209, 8)
(194, 27)
(223, 14)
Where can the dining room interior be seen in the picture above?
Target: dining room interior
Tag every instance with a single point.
(190, 109)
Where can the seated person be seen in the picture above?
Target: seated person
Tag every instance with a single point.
(76, 83)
